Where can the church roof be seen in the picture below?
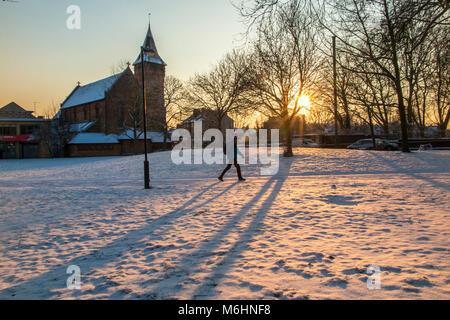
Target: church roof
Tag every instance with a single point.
(91, 92)
(14, 111)
(149, 42)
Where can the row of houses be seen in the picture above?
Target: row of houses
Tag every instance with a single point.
(19, 133)
(22, 135)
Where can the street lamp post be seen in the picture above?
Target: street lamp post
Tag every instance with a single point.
(144, 106)
(335, 102)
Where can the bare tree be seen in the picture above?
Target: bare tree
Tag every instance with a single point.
(224, 89)
(57, 134)
(343, 82)
(285, 64)
(376, 30)
(119, 66)
(318, 117)
(175, 101)
(440, 80)
(373, 100)
(242, 121)
(133, 123)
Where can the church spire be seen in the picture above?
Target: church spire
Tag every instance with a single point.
(149, 43)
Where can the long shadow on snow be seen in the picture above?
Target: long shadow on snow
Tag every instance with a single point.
(42, 285)
(191, 261)
(398, 169)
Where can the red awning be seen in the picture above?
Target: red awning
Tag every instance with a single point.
(17, 138)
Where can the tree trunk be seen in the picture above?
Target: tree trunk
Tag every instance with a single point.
(372, 132)
(422, 131)
(442, 131)
(403, 123)
(397, 82)
(386, 130)
(288, 129)
(347, 119)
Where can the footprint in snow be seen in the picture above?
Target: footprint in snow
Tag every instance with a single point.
(337, 282)
(423, 282)
(339, 200)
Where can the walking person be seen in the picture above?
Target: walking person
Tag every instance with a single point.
(235, 162)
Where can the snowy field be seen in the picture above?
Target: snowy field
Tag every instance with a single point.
(307, 233)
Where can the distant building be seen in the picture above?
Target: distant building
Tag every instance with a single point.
(102, 114)
(20, 133)
(209, 120)
(276, 123)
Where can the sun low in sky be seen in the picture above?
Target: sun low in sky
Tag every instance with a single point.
(305, 103)
(41, 59)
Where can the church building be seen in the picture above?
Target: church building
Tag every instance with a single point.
(105, 117)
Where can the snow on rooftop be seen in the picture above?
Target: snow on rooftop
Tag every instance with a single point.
(152, 59)
(91, 92)
(155, 136)
(94, 138)
(81, 127)
(57, 115)
(23, 120)
(129, 135)
(149, 42)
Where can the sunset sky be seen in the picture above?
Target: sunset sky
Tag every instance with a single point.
(41, 60)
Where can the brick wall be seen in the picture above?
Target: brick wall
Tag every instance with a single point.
(111, 113)
(119, 100)
(84, 113)
(154, 87)
(94, 150)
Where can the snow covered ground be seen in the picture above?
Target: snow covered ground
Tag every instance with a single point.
(308, 232)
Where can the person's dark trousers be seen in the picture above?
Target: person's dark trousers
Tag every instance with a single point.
(228, 167)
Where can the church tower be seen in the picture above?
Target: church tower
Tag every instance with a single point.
(155, 72)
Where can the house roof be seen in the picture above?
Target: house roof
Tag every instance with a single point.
(94, 138)
(149, 42)
(81, 127)
(23, 120)
(14, 111)
(155, 136)
(91, 92)
(202, 114)
(192, 119)
(101, 138)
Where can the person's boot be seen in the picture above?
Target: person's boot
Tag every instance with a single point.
(220, 178)
(241, 179)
